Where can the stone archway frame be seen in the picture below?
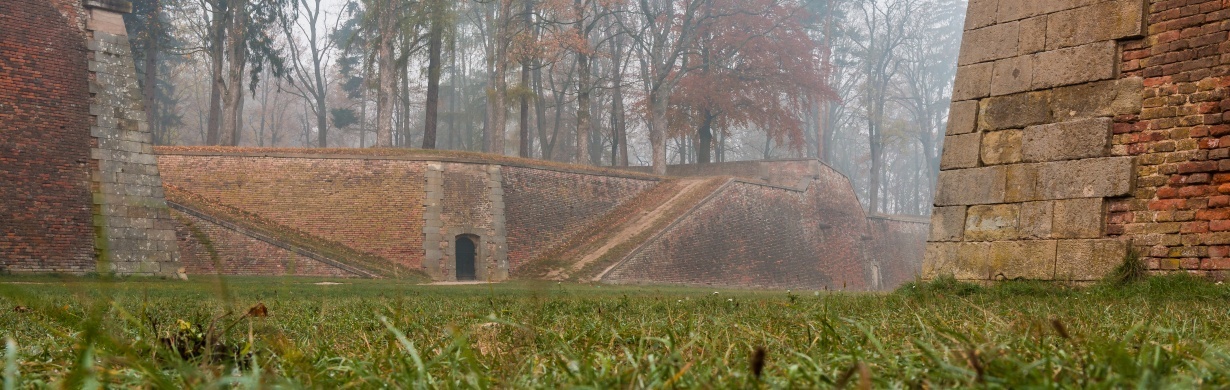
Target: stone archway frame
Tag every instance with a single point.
(485, 264)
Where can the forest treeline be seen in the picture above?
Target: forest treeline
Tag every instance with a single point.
(863, 85)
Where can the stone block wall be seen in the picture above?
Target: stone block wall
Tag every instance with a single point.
(1179, 214)
(1029, 168)
(45, 197)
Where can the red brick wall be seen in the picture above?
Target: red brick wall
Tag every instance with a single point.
(545, 207)
(45, 216)
(237, 254)
(896, 246)
(374, 206)
(757, 235)
(1179, 215)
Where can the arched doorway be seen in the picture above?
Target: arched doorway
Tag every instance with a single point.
(466, 252)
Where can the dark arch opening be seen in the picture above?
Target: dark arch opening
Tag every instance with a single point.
(466, 252)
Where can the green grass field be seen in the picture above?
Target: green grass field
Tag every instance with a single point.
(1164, 332)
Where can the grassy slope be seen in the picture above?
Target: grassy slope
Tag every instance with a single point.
(1164, 332)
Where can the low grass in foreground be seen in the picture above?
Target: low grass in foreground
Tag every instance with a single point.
(1161, 332)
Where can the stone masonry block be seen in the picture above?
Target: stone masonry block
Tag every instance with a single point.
(992, 222)
(963, 117)
(1021, 183)
(1036, 220)
(1099, 99)
(1088, 260)
(1012, 75)
(1079, 218)
(973, 82)
(1021, 260)
(960, 151)
(1090, 178)
(1013, 10)
(989, 43)
(970, 186)
(947, 223)
(1075, 65)
(1072, 140)
(1014, 111)
(961, 260)
(1105, 21)
(1033, 34)
(1001, 147)
(981, 13)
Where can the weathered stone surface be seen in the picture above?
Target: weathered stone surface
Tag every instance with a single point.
(1014, 111)
(1012, 75)
(1033, 34)
(981, 13)
(1020, 9)
(970, 186)
(1075, 65)
(989, 43)
(1001, 147)
(1103, 21)
(972, 82)
(1021, 183)
(1022, 259)
(1099, 99)
(1079, 218)
(1070, 140)
(947, 223)
(1036, 220)
(960, 151)
(962, 117)
(1088, 260)
(961, 260)
(992, 222)
(1091, 178)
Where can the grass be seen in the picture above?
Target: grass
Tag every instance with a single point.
(1159, 332)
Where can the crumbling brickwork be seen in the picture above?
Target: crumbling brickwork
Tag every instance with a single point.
(45, 214)
(1179, 213)
(1028, 168)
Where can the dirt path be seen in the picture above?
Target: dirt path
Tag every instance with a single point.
(644, 222)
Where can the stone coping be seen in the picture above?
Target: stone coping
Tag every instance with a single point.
(902, 218)
(400, 155)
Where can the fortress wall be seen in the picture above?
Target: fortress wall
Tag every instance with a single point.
(209, 249)
(45, 213)
(1029, 168)
(896, 248)
(1179, 213)
(544, 208)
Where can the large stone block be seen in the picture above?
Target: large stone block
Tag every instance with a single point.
(1012, 75)
(1088, 260)
(1036, 220)
(947, 223)
(1014, 111)
(981, 13)
(1020, 9)
(1098, 99)
(989, 43)
(1033, 34)
(1079, 218)
(962, 260)
(962, 117)
(960, 151)
(1021, 183)
(970, 186)
(973, 82)
(1099, 22)
(1091, 178)
(1022, 260)
(1075, 65)
(1001, 147)
(1072, 140)
(992, 222)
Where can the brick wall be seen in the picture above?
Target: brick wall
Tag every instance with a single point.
(895, 249)
(374, 206)
(750, 234)
(209, 249)
(45, 216)
(544, 208)
(1029, 170)
(1179, 213)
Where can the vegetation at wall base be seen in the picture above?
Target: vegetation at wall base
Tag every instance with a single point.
(1168, 331)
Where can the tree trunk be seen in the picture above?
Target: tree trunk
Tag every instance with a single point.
(435, 45)
(385, 76)
(523, 149)
(657, 131)
(149, 89)
(540, 113)
(217, 50)
(236, 62)
(583, 102)
(705, 138)
(619, 126)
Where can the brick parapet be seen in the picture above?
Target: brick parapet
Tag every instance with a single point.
(1179, 214)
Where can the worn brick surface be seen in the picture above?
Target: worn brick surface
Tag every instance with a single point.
(45, 214)
(208, 249)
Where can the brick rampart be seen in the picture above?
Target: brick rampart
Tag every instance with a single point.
(209, 249)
